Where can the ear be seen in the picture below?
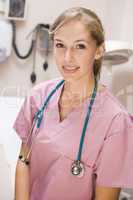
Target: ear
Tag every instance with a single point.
(100, 51)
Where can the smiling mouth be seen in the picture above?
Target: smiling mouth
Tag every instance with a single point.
(70, 69)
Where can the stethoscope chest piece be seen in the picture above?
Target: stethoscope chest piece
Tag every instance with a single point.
(77, 169)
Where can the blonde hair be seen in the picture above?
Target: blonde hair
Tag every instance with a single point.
(92, 23)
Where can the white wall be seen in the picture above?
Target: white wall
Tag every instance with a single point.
(127, 27)
(9, 145)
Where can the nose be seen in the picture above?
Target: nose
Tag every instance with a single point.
(69, 56)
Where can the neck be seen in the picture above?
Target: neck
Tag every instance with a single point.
(81, 88)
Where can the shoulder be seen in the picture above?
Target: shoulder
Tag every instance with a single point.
(114, 113)
(110, 103)
(48, 84)
(39, 92)
(44, 87)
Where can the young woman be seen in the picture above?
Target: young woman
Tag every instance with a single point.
(81, 144)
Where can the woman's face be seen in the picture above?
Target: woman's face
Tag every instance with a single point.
(74, 51)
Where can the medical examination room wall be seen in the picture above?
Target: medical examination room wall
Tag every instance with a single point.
(15, 73)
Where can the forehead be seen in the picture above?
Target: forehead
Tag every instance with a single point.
(72, 31)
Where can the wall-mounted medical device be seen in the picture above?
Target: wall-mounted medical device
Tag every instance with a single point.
(39, 41)
(117, 52)
(5, 39)
(16, 9)
(42, 43)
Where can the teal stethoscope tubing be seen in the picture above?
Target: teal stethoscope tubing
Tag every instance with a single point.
(39, 116)
(86, 122)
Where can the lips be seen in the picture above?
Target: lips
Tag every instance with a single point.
(69, 69)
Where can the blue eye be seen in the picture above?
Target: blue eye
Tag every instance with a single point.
(59, 45)
(80, 46)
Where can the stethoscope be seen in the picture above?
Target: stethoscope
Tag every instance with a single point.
(77, 167)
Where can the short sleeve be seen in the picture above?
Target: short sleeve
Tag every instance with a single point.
(115, 165)
(25, 116)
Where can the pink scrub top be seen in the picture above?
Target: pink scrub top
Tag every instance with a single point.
(107, 151)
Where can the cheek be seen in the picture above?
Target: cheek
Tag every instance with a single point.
(88, 55)
(86, 62)
(58, 56)
(58, 61)
(87, 59)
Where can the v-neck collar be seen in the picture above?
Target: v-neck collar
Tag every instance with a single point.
(54, 104)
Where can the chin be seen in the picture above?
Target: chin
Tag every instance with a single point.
(70, 78)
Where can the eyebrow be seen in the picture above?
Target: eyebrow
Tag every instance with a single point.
(80, 40)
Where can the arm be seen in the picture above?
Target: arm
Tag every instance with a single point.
(118, 172)
(22, 180)
(107, 193)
